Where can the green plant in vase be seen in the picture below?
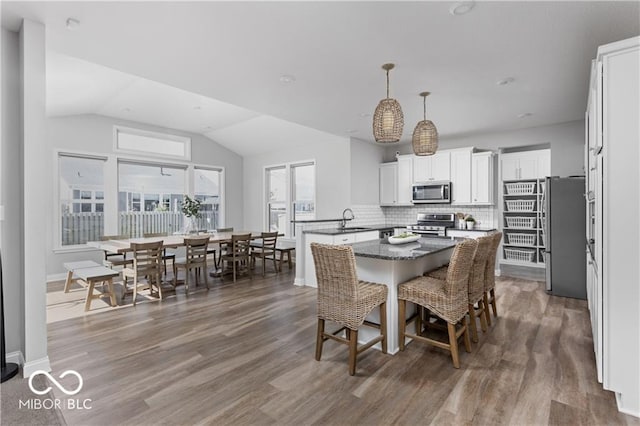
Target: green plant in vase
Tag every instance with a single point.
(191, 210)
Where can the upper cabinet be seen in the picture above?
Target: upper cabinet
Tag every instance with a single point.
(432, 168)
(461, 176)
(395, 182)
(482, 178)
(526, 164)
(388, 184)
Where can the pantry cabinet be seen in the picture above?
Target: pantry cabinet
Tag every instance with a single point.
(613, 231)
(395, 182)
(526, 165)
(482, 178)
(461, 166)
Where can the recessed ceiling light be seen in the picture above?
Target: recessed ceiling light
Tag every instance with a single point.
(525, 114)
(505, 81)
(287, 78)
(208, 128)
(126, 109)
(72, 24)
(197, 107)
(461, 8)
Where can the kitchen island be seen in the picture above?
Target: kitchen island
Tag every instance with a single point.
(384, 263)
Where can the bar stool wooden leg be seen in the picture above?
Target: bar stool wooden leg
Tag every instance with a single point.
(319, 339)
(483, 317)
(487, 315)
(472, 323)
(383, 326)
(465, 335)
(353, 350)
(402, 322)
(453, 345)
(493, 301)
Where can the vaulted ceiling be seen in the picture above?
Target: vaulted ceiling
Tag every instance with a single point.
(216, 68)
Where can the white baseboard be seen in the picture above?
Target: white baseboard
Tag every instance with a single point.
(41, 364)
(497, 272)
(15, 358)
(299, 282)
(56, 277)
(624, 410)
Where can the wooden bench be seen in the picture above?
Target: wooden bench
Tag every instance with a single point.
(89, 273)
(282, 247)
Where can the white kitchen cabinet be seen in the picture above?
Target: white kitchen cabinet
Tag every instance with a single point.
(367, 236)
(482, 178)
(613, 272)
(526, 164)
(461, 170)
(388, 184)
(432, 168)
(404, 180)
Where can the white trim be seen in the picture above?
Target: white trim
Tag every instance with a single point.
(158, 135)
(15, 357)
(41, 364)
(624, 410)
(223, 200)
(299, 282)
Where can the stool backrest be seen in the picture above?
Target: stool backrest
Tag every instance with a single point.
(335, 272)
(477, 272)
(460, 266)
(490, 270)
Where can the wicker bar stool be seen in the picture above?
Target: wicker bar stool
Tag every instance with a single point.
(490, 278)
(447, 299)
(476, 285)
(345, 300)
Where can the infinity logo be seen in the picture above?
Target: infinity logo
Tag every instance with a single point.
(55, 382)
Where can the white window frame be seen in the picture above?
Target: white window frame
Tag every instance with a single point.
(223, 199)
(165, 136)
(57, 228)
(289, 185)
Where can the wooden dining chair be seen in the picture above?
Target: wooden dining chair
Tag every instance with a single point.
(222, 247)
(475, 285)
(115, 259)
(147, 258)
(167, 254)
(346, 300)
(265, 251)
(446, 299)
(239, 254)
(196, 258)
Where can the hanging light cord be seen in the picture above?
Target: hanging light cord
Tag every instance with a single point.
(387, 84)
(424, 104)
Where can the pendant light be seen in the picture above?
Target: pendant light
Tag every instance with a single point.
(425, 135)
(388, 120)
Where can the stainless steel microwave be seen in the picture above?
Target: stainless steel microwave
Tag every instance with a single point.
(432, 192)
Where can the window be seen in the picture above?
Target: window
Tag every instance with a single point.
(81, 198)
(290, 195)
(141, 187)
(207, 184)
(138, 141)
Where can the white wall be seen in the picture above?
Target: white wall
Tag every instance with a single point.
(365, 159)
(94, 133)
(11, 195)
(333, 178)
(566, 141)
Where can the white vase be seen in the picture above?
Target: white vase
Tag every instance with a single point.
(470, 225)
(461, 224)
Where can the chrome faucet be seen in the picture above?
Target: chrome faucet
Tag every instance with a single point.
(344, 218)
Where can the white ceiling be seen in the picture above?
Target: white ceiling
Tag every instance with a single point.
(219, 54)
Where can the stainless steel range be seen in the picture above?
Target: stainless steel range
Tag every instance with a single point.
(433, 224)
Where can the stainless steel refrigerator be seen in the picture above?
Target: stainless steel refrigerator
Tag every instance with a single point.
(564, 224)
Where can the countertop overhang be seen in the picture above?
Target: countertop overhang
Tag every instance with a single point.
(381, 249)
(351, 229)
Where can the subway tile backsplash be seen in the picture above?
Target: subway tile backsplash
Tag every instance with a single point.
(486, 216)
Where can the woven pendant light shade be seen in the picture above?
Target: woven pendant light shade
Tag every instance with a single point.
(388, 120)
(425, 135)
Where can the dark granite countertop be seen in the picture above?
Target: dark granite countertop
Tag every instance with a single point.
(351, 229)
(381, 249)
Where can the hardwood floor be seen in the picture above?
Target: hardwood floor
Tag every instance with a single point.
(243, 353)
